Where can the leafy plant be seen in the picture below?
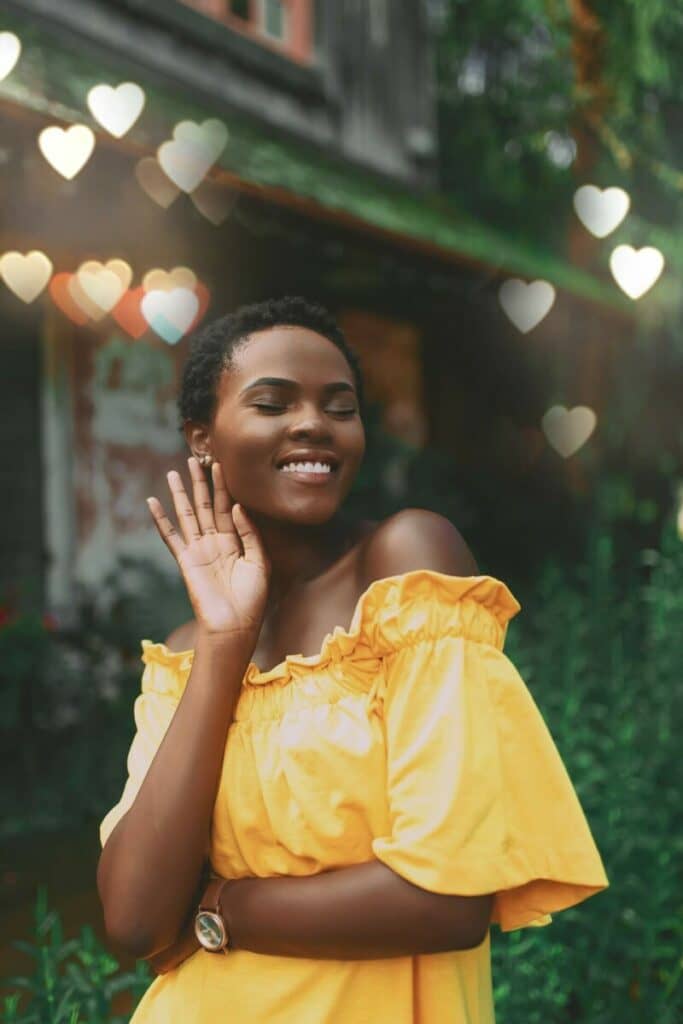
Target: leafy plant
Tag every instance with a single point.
(74, 981)
(602, 653)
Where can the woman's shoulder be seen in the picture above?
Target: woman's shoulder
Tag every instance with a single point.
(416, 538)
(423, 581)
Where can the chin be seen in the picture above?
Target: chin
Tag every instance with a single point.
(312, 516)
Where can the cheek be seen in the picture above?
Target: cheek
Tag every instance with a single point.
(257, 440)
(356, 441)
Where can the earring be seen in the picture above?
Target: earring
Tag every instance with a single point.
(206, 461)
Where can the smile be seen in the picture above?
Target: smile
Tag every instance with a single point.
(308, 472)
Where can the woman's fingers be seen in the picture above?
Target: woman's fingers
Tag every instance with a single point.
(185, 512)
(202, 497)
(169, 534)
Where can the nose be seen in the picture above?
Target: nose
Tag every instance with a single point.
(311, 423)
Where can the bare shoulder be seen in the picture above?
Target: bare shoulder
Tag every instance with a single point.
(416, 538)
(182, 638)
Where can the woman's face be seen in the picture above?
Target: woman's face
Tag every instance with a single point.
(314, 410)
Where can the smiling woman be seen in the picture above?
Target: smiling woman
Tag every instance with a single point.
(370, 804)
(255, 421)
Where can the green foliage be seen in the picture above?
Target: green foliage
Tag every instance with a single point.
(507, 80)
(65, 713)
(602, 656)
(74, 981)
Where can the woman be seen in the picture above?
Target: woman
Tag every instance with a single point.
(325, 837)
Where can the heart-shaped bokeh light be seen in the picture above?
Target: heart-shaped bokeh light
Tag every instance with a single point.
(116, 109)
(204, 296)
(166, 281)
(26, 275)
(567, 430)
(62, 298)
(636, 270)
(155, 183)
(526, 304)
(171, 313)
(83, 301)
(213, 201)
(128, 313)
(10, 51)
(103, 285)
(194, 148)
(601, 210)
(67, 150)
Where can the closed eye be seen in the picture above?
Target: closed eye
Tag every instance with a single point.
(280, 408)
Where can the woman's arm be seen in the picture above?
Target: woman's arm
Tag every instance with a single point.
(185, 945)
(362, 912)
(150, 866)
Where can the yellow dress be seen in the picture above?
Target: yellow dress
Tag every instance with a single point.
(411, 738)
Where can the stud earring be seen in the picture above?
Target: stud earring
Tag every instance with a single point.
(206, 461)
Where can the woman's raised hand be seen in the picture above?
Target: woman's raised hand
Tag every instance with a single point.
(222, 559)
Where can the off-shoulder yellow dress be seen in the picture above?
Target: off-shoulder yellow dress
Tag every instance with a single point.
(411, 738)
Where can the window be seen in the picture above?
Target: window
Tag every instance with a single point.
(274, 13)
(283, 25)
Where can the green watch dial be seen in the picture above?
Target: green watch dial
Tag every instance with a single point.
(209, 930)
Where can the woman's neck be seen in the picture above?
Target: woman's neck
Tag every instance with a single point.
(298, 556)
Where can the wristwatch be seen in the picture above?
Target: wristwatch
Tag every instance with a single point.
(209, 924)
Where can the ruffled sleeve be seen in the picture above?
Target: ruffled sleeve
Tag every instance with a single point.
(163, 681)
(479, 799)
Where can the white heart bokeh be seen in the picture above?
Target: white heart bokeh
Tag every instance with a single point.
(194, 148)
(104, 284)
(116, 109)
(526, 304)
(26, 275)
(601, 210)
(169, 314)
(10, 51)
(567, 430)
(67, 150)
(636, 270)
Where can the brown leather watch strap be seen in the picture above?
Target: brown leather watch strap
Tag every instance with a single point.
(212, 896)
(211, 901)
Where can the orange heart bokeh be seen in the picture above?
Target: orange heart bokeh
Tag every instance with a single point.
(127, 311)
(61, 296)
(128, 314)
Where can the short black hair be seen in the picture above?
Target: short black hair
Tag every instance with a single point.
(213, 346)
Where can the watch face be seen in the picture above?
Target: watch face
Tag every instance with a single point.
(209, 930)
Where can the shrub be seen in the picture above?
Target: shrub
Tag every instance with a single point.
(74, 981)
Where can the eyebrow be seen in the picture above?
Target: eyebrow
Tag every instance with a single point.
(337, 385)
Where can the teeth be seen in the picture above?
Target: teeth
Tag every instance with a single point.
(306, 467)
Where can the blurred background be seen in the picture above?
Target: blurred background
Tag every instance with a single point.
(489, 198)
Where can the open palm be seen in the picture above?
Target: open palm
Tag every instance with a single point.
(221, 558)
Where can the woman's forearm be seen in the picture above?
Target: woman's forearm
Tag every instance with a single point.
(362, 912)
(151, 864)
